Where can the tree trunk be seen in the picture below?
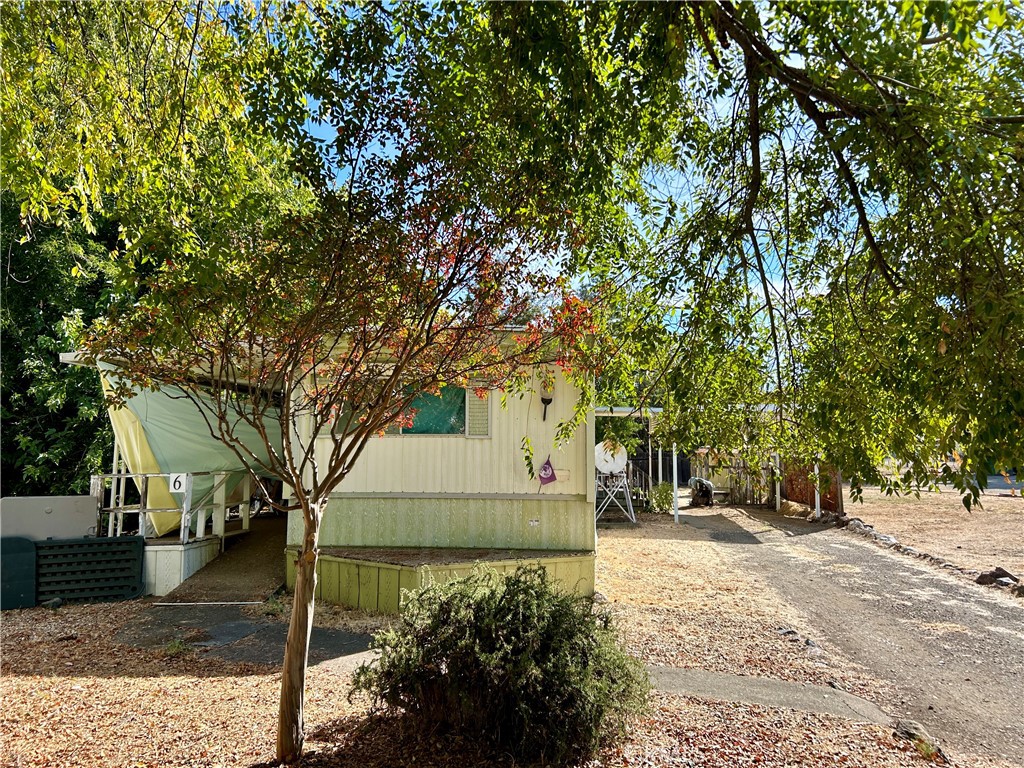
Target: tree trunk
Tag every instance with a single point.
(290, 723)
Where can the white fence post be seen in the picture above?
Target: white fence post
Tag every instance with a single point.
(817, 494)
(778, 483)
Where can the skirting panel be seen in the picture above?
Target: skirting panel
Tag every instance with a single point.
(377, 586)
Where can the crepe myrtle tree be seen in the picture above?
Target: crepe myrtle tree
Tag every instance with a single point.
(328, 328)
(316, 224)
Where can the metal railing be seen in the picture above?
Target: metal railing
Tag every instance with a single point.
(212, 507)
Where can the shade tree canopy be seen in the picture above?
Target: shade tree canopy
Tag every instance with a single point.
(833, 188)
(319, 232)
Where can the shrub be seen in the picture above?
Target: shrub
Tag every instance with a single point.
(661, 497)
(177, 647)
(511, 659)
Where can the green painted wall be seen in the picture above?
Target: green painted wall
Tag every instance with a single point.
(515, 523)
(378, 587)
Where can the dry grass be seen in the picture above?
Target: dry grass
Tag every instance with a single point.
(938, 523)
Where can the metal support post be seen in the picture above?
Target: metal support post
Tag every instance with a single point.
(650, 458)
(675, 485)
(817, 494)
(220, 507)
(186, 510)
(143, 504)
(246, 498)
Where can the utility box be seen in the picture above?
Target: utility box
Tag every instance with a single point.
(47, 517)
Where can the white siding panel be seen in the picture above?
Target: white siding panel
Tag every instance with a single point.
(455, 464)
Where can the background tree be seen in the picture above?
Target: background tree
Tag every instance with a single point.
(55, 433)
(847, 171)
(121, 143)
(316, 235)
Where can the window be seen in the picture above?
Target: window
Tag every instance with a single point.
(443, 414)
(455, 411)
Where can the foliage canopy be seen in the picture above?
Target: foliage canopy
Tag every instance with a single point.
(821, 230)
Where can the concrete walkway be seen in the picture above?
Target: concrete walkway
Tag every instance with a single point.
(721, 686)
(227, 632)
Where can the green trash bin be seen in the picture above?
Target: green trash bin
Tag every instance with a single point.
(17, 573)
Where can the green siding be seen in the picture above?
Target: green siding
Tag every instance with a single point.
(388, 591)
(369, 579)
(454, 522)
(349, 584)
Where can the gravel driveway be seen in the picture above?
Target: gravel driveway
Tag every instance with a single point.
(953, 650)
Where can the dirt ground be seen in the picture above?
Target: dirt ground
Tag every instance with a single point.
(938, 523)
(258, 555)
(72, 696)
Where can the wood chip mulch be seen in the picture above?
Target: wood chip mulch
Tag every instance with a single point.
(73, 697)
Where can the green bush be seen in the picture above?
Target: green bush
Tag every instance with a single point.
(661, 497)
(511, 659)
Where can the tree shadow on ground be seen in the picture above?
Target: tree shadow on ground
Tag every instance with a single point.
(380, 741)
(791, 526)
(703, 525)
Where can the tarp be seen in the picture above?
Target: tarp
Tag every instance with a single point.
(164, 432)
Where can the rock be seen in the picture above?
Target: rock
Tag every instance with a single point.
(786, 632)
(999, 576)
(52, 604)
(1017, 590)
(855, 524)
(1002, 573)
(886, 539)
(599, 598)
(914, 732)
(794, 509)
(910, 729)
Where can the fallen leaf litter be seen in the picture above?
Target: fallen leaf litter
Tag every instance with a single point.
(72, 697)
